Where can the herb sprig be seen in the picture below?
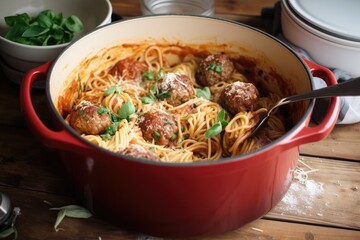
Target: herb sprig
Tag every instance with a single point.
(47, 28)
(217, 128)
(204, 93)
(124, 112)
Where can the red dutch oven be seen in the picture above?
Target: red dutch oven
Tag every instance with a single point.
(181, 200)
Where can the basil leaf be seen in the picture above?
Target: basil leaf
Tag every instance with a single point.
(218, 69)
(148, 75)
(35, 31)
(204, 93)
(48, 28)
(44, 21)
(23, 18)
(147, 100)
(213, 131)
(113, 89)
(15, 33)
(221, 117)
(156, 136)
(103, 110)
(164, 95)
(74, 24)
(173, 137)
(126, 110)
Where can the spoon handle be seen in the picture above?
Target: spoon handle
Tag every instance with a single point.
(347, 88)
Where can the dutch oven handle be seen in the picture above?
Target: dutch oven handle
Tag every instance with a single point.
(316, 133)
(61, 139)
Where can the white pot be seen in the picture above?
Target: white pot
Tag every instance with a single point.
(327, 45)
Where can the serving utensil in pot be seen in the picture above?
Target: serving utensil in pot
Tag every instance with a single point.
(347, 88)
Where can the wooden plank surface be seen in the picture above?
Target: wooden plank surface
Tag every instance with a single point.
(343, 141)
(37, 222)
(330, 195)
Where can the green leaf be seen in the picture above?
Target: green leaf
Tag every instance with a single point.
(173, 137)
(23, 18)
(16, 32)
(218, 69)
(164, 95)
(156, 136)
(148, 75)
(113, 89)
(103, 110)
(126, 110)
(35, 31)
(204, 93)
(73, 211)
(221, 117)
(74, 24)
(44, 21)
(60, 217)
(213, 131)
(48, 28)
(8, 232)
(147, 100)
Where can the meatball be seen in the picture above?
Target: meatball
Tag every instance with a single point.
(176, 88)
(239, 97)
(85, 118)
(158, 126)
(138, 151)
(214, 69)
(129, 68)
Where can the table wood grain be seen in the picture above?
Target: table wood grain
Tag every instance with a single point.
(326, 206)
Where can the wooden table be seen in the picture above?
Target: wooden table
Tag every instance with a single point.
(327, 206)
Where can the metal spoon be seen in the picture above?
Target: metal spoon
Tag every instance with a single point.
(347, 88)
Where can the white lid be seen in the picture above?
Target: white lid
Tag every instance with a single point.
(336, 17)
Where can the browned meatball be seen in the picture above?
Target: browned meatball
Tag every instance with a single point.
(138, 151)
(214, 69)
(239, 97)
(85, 118)
(158, 126)
(176, 88)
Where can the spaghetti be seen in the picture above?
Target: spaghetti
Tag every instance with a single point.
(129, 81)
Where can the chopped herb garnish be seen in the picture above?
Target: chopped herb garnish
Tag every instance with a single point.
(218, 69)
(113, 90)
(148, 75)
(173, 137)
(160, 73)
(163, 95)
(147, 100)
(103, 110)
(156, 136)
(124, 113)
(204, 93)
(215, 67)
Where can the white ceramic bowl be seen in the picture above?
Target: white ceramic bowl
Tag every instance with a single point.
(20, 57)
(324, 48)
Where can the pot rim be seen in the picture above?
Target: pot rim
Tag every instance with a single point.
(221, 161)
